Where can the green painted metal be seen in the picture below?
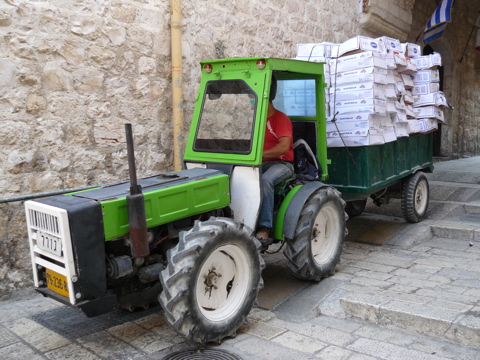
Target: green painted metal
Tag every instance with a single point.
(169, 204)
(280, 218)
(259, 80)
(358, 172)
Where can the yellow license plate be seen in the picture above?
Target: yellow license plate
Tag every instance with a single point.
(57, 282)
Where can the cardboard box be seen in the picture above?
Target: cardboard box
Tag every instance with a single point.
(411, 114)
(369, 123)
(389, 135)
(399, 116)
(426, 76)
(354, 138)
(427, 88)
(400, 58)
(358, 61)
(428, 62)
(391, 44)
(391, 91)
(410, 66)
(390, 77)
(413, 126)
(411, 50)
(401, 129)
(390, 60)
(323, 49)
(428, 125)
(371, 74)
(408, 98)
(436, 98)
(313, 58)
(360, 43)
(362, 117)
(371, 106)
(407, 81)
(358, 91)
(430, 111)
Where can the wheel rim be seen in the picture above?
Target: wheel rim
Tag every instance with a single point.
(421, 197)
(223, 282)
(325, 232)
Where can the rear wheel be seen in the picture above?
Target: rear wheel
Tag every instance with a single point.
(415, 197)
(355, 208)
(316, 247)
(212, 280)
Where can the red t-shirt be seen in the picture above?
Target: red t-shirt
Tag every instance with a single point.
(278, 125)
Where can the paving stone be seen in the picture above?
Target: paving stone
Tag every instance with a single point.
(252, 345)
(9, 312)
(299, 342)
(412, 298)
(369, 265)
(396, 337)
(318, 332)
(384, 350)
(109, 346)
(150, 321)
(261, 329)
(40, 337)
(19, 351)
(338, 324)
(333, 352)
(71, 352)
(7, 338)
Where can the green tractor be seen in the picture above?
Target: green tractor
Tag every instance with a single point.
(185, 239)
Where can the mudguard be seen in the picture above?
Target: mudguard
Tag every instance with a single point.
(289, 212)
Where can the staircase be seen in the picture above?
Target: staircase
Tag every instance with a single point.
(423, 277)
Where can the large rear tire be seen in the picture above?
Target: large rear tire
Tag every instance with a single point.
(415, 197)
(212, 280)
(318, 242)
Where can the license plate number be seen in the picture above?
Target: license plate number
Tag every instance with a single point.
(49, 243)
(57, 282)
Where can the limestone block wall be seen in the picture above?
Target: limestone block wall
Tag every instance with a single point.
(73, 72)
(461, 76)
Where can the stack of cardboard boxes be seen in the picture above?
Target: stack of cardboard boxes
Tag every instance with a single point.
(376, 92)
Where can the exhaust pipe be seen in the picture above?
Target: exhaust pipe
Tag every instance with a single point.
(137, 219)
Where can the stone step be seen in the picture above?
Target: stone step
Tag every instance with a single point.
(465, 227)
(454, 176)
(448, 191)
(456, 325)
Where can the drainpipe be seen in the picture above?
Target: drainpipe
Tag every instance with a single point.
(177, 83)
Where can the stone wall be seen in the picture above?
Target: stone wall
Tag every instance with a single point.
(461, 85)
(73, 72)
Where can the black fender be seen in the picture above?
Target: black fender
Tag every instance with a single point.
(295, 206)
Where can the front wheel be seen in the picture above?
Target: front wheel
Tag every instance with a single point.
(211, 280)
(415, 197)
(318, 241)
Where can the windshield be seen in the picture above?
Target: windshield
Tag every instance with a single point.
(227, 118)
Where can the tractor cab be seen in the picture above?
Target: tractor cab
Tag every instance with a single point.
(229, 120)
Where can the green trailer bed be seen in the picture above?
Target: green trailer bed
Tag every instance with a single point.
(358, 172)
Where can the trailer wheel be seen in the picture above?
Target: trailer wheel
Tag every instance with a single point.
(212, 280)
(355, 208)
(415, 197)
(318, 241)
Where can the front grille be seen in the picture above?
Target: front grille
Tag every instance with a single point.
(44, 222)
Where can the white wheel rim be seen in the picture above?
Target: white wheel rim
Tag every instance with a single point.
(325, 234)
(421, 197)
(223, 282)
